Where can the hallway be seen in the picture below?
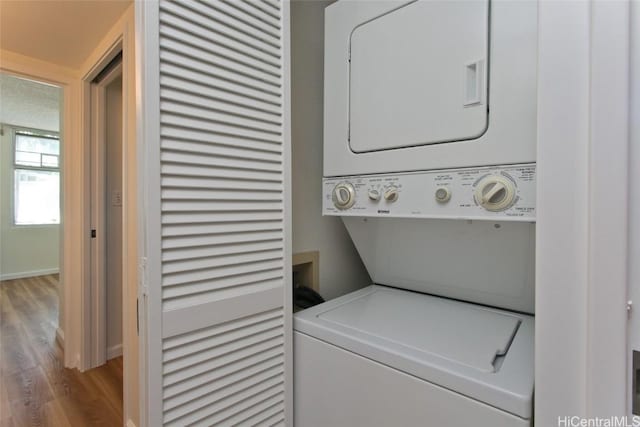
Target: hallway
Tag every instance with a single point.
(35, 388)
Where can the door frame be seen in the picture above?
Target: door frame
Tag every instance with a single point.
(582, 197)
(97, 199)
(120, 38)
(94, 290)
(65, 79)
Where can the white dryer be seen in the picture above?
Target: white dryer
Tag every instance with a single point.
(429, 159)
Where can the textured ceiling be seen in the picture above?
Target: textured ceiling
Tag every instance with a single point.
(61, 32)
(29, 104)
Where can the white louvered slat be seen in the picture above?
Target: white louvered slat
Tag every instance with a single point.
(200, 16)
(177, 103)
(191, 135)
(212, 41)
(220, 217)
(245, 348)
(222, 172)
(274, 4)
(218, 184)
(257, 12)
(225, 111)
(241, 16)
(181, 233)
(219, 252)
(264, 416)
(216, 262)
(233, 81)
(191, 158)
(180, 118)
(261, 279)
(232, 383)
(246, 64)
(237, 94)
(192, 252)
(226, 238)
(258, 5)
(258, 263)
(177, 341)
(219, 97)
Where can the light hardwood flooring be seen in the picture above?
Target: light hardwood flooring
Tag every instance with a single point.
(35, 388)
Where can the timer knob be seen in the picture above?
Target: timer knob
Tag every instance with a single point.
(495, 193)
(344, 195)
(391, 194)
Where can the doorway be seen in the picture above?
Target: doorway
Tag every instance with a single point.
(106, 212)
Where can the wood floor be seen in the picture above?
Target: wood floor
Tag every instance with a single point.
(35, 388)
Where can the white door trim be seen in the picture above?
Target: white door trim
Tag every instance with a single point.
(71, 221)
(147, 83)
(98, 309)
(608, 210)
(94, 298)
(119, 38)
(582, 197)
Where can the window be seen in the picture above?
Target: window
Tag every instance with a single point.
(36, 178)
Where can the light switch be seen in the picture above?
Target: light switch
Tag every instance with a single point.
(116, 198)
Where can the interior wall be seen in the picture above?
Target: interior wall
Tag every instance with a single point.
(113, 204)
(25, 250)
(341, 270)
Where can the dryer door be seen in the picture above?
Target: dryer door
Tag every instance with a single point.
(418, 76)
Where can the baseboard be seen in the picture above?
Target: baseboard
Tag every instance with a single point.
(33, 273)
(60, 337)
(114, 351)
(130, 424)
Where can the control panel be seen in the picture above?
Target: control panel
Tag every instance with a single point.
(495, 192)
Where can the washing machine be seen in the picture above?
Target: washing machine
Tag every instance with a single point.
(429, 160)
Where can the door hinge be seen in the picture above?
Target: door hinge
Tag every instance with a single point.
(93, 234)
(629, 306)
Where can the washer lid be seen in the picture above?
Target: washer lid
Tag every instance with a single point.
(462, 333)
(483, 353)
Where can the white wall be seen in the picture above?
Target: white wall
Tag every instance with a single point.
(25, 250)
(341, 269)
(113, 218)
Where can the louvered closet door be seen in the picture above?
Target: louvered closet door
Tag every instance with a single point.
(216, 294)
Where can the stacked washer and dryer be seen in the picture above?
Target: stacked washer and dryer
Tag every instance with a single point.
(429, 159)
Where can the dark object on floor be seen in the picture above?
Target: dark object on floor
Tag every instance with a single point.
(304, 297)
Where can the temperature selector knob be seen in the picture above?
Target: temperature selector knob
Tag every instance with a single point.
(495, 193)
(344, 195)
(391, 194)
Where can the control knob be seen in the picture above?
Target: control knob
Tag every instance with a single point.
(495, 193)
(391, 194)
(344, 195)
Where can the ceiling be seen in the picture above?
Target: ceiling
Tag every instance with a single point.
(61, 32)
(29, 104)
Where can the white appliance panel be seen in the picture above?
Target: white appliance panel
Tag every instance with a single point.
(387, 315)
(385, 325)
(335, 387)
(417, 194)
(510, 136)
(418, 75)
(486, 262)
